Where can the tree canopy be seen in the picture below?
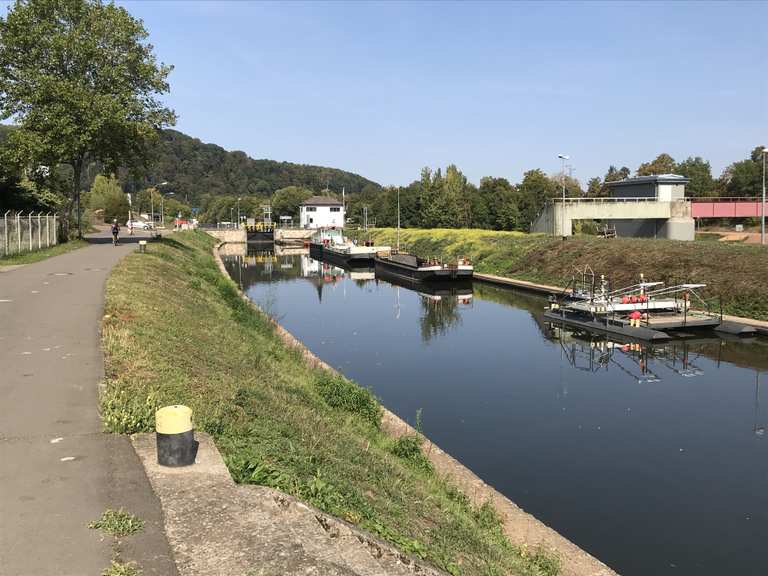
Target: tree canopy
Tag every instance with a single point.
(81, 82)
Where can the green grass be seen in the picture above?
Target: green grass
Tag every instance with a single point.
(736, 274)
(177, 331)
(118, 523)
(38, 255)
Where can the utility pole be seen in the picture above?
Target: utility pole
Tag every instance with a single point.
(762, 206)
(563, 157)
(398, 219)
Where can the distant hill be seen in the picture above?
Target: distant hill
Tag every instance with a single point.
(193, 168)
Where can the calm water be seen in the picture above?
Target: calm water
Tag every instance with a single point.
(653, 460)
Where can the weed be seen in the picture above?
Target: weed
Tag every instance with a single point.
(117, 568)
(338, 392)
(126, 413)
(408, 447)
(118, 523)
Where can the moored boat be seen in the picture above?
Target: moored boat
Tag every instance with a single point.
(410, 267)
(330, 245)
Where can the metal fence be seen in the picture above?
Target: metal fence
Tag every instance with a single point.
(20, 232)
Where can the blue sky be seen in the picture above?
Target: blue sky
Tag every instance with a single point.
(383, 89)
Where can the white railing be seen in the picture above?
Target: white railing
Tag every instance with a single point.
(20, 232)
(607, 199)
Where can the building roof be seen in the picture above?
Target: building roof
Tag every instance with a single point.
(656, 179)
(321, 201)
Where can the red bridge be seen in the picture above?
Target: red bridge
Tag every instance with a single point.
(725, 207)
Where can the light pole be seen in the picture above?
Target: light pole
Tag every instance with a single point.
(238, 211)
(563, 157)
(762, 205)
(152, 202)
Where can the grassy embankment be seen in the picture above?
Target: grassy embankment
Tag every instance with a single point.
(735, 272)
(176, 331)
(38, 255)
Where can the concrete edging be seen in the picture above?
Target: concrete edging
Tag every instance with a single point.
(520, 527)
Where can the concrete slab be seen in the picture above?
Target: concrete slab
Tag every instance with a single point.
(216, 527)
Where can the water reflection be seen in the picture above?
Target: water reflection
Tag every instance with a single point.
(652, 457)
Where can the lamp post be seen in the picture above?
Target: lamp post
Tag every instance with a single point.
(762, 205)
(563, 157)
(238, 211)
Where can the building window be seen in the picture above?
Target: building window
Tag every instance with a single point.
(311, 208)
(335, 209)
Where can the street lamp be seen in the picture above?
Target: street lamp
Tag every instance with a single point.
(238, 211)
(563, 157)
(762, 205)
(152, 201)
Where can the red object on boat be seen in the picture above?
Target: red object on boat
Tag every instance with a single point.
(625, 299)
(635, 315)
(634, 299)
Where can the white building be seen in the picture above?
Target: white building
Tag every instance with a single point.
(321, 212)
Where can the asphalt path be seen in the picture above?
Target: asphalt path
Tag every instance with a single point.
(58, 469)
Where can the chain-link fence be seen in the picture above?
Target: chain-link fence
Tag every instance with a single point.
(25, 232)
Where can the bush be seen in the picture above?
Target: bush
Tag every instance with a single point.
(338, 392)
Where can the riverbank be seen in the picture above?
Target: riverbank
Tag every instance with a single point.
(736, 274)
(177, 331)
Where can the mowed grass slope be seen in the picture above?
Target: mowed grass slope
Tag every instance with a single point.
(176, 331)
(735, 273)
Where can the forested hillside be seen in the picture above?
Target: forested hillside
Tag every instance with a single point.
(194, 169)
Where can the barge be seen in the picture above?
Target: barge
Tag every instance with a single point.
(413, 268)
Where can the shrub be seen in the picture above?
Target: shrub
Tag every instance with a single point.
(340, 393)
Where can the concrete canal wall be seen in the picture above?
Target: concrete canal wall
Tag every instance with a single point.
(292, 235)
(230, 235)
(521, 528)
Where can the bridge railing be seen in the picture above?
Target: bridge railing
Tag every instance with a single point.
(597, 200)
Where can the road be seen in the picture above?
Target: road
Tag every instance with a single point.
(58, 469)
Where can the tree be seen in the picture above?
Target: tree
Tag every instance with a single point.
(107, 195)
(699, 173)
(286, 201)
(81, 82)
(533, 192)
(662, 164)
(496, 205)
(613, 175)
(745, 178)
(595, 188)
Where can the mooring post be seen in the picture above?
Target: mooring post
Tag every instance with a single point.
(176, 445)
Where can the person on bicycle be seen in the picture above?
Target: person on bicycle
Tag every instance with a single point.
(115, 232)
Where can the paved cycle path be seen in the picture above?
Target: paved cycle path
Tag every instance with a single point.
(58, 469)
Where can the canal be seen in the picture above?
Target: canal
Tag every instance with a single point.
(653, 459)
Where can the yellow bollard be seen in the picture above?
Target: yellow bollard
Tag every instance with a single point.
(176, 444)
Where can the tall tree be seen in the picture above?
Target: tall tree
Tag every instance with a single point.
(699, 174)
(286, 202)
(81, 81)
(595, 187)
(662, 164)
(613, 175)
(744, 178)
(533, 192)
(107, 195)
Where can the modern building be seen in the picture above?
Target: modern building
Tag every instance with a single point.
(321, 212)
(645, 207)
(662, 187)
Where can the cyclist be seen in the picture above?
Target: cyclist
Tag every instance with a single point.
(115, 232)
